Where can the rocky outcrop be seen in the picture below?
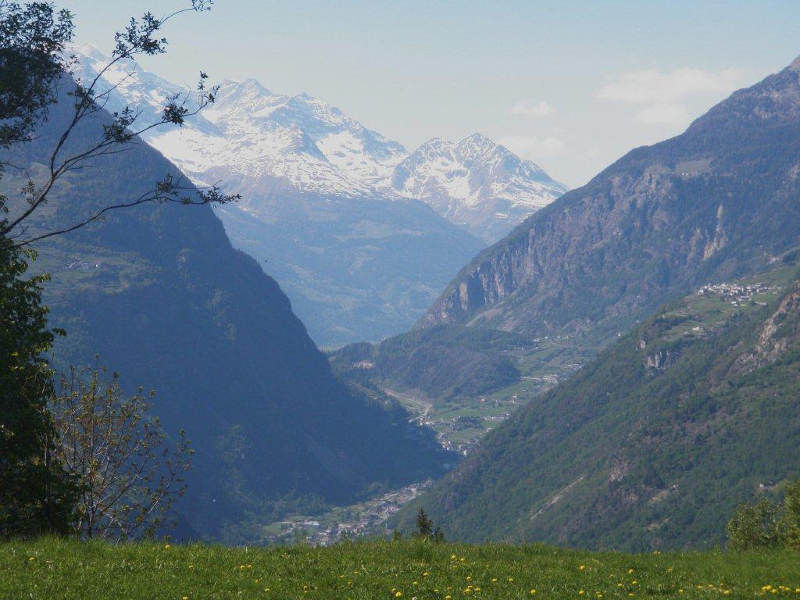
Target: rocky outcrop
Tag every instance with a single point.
(713, 203)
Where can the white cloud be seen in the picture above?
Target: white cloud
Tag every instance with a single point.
(663, 113)
(535, 110)
(533, 148)
(664, 93)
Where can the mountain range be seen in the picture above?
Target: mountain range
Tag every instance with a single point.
(712, 204)
(161, 296)
(337, 213)
(653, 442)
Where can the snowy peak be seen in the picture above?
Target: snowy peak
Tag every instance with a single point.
(254, 138)
(475, 182)
(254, 141)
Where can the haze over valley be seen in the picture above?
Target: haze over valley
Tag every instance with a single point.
(237, 320)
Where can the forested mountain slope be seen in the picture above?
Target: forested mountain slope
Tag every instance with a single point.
(161, 295)
(715, 203)
(653, 444)
(360, 235)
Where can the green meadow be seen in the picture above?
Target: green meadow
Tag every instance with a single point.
(373, 570)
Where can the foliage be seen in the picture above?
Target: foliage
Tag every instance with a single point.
(35, 493)
(32, 42)
(426, 529)
(767, 524)
(128, 475)
(653, 444)
(32, 61)
(755, 526)
(445, 363)
(373, 570)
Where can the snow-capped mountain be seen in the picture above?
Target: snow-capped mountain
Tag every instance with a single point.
(475, 183)
(255, 139)
(361, 235)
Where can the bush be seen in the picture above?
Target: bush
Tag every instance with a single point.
(767, 524)
(754, 526)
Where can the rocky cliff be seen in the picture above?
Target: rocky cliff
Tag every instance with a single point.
(717, 201)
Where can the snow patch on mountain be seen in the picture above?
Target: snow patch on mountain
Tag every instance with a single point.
(475, 182)
(252, 139)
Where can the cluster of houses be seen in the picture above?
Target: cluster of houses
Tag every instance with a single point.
(368, 518)
(734, 293)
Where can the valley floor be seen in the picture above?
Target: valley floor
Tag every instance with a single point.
(54, 568)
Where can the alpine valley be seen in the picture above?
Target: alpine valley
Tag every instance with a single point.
(711, 205)
(160, 295)
(679, 413)
(361, 234)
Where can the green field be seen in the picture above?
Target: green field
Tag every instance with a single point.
(52, 569)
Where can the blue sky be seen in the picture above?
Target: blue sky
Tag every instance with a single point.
(570, 85)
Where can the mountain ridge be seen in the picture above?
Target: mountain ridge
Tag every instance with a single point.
(164, 299)
(653, 444)
(475, 182)
(638, 200)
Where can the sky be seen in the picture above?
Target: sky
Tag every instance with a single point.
(571, 85)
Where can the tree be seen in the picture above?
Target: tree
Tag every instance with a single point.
(754, 526)
(29, 93)
(32, 40)
(791, 517)
(767, 524)
(36, 495)
(425, 528)
(128, 476)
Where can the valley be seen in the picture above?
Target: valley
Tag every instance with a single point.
(343, 218)
(251, 346)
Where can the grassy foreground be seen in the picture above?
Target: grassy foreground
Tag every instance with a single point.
(52, 568)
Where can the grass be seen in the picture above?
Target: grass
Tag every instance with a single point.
(55, 568)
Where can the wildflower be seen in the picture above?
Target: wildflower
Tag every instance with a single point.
(581, 567)
(532, 592)
(167, 546)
